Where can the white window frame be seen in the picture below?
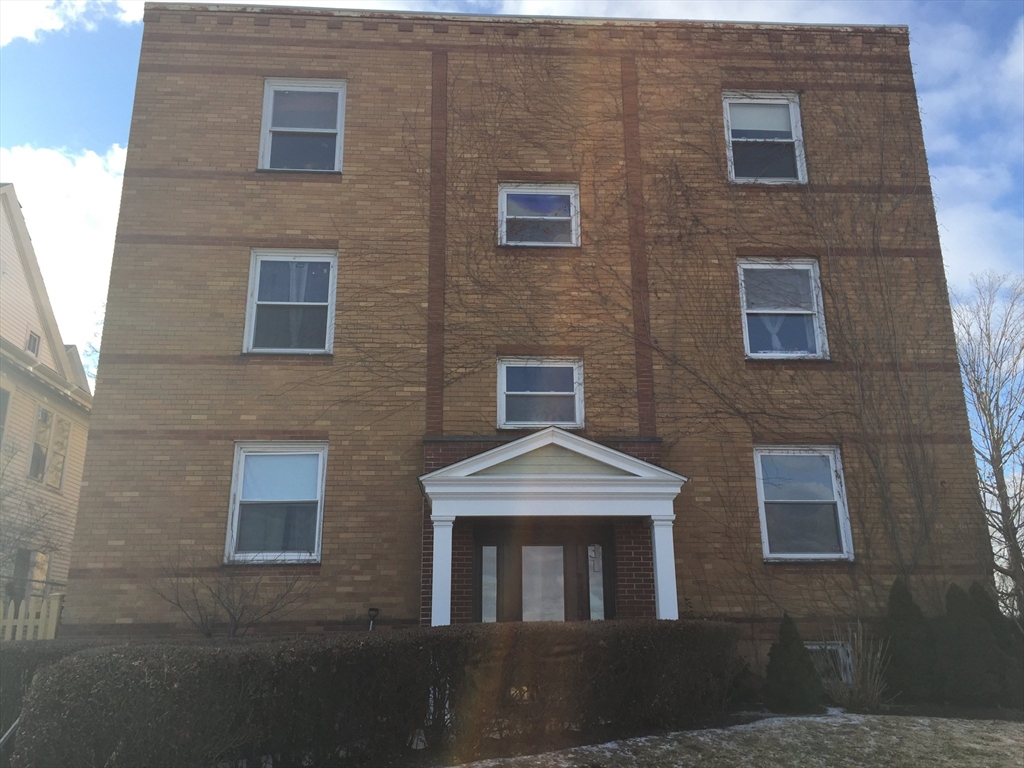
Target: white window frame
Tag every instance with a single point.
(792, 100)
(55, 416)
(260, 255)
(272, 84)
(573, 190)
(243, 449)
(541, 362)
(838, 488)
(34, 340)
(845, 659)
(821, 338)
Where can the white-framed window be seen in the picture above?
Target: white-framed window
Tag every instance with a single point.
(783, 315)
(539, 214)
(802, 503)
(32, 345)
(303, 125)
(277, 502)
(833, 661)
(291, 302)
(540, 392)
(50, 440)
(763, 137)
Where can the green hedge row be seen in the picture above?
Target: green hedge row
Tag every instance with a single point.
(366, 699)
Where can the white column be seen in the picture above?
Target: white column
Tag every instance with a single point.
(665, 600)
(441, 590)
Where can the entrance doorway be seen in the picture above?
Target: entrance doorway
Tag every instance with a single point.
(540, 570)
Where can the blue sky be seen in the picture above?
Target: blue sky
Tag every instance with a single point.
(67, 76)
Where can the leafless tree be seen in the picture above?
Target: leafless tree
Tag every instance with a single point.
(229, 600)
(989, 321)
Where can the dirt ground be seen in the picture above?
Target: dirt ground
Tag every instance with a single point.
(830, 741)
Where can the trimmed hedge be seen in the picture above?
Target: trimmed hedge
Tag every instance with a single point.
(362, 699)
(19, 662)
(791, 683)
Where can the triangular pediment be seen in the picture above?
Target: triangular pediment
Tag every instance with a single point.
(549, 453)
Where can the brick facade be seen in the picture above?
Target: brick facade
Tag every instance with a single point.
(438, 112)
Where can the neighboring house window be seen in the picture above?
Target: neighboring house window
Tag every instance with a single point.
(32, 346)
(536, 392)
(303, 124)
(49, 448)
(291, 302)
(782, 308)
(277, 502)
(5, 400)
(539, 214)
(763, 136)
(31, 570)
(802, 504)
(833, 661)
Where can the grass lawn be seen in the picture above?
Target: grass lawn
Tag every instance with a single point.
(832, 741)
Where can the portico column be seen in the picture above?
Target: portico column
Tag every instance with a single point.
(441, 588)
(665, 601)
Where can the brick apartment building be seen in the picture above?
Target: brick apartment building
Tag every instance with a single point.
(471, 318)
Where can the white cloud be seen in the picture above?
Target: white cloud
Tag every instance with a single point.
(70, 203)
(28, 19)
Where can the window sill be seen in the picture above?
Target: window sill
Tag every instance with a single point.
(530, 247)
(533, 427)
(44, 487)
(298, 174)
(776, 358)
(795, 183)
(284, 353)
(807, 559)
(269, 559)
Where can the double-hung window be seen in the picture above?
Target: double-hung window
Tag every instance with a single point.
(802, 504)
(49, 448)
(540, 392)
(782, 308)
(303, 125)
(763, 136)
(539, 214)
(291, 302)
(277, 502)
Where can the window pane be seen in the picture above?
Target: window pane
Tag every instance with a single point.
(489, 584)
(538, 231)
(277, 527)
(789, 477)
(55, 470)
(294, 280)
(303, 151)
(802, 529)
(5, 398)
(540, 409)
(770, 289)
(518, 204)
(305, 109)
(537, 378)
(595, 576)
(760, 121)
(764, 160)
(543, 584)
(281, 477)
(781, 333)
(286, 327)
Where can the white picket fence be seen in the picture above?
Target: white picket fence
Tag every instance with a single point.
(36, 618)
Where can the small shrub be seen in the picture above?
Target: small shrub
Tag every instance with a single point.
(869, 657)
(969, 657)
(912, 674)
(358, 699)
(1010, 639)
(792, 683)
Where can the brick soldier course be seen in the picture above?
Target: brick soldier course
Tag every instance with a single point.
(439, 113)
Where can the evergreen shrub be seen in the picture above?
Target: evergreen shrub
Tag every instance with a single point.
(912, 676)
(792, 684)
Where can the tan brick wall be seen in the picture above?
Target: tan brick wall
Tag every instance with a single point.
(524, 101)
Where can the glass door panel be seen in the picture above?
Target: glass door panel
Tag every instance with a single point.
(543, 583)
(489, 584)
(595, 579)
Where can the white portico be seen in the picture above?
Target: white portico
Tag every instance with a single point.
(553, 474)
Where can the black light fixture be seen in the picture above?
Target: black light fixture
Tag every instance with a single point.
(373, 613)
